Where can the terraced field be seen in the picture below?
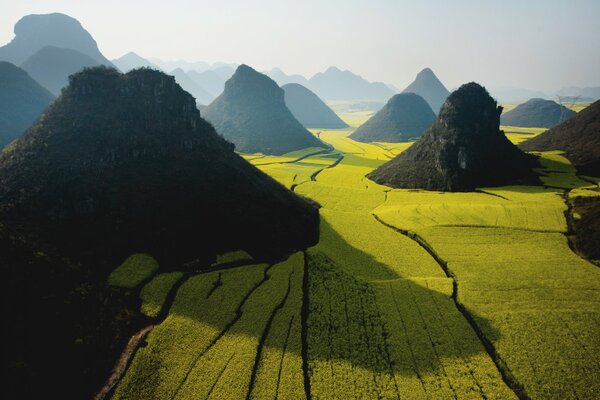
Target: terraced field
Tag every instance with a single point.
(408, 295)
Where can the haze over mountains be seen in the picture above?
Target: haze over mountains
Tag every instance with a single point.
(50, 47)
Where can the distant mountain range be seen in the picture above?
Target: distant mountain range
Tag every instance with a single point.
(33, 32)
(132, 60)
(50, 47)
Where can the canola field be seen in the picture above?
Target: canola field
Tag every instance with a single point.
(409, 294)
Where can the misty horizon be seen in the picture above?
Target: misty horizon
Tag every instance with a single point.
(499, 46)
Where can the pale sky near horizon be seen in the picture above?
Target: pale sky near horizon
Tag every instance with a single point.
(535, 44)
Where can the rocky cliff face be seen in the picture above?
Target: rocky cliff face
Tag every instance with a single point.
(464, 149)
(251, 113)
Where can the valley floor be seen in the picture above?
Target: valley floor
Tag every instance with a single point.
(409, 295)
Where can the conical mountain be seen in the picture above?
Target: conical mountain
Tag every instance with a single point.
(405, 116)
(51, 66)
(22, 101)
(578, 137)
(32, 32)
(464, 149)
(428, 86)
(309, 109)
(537, 113)
(251, 113)
(132, 60)
(124, 163)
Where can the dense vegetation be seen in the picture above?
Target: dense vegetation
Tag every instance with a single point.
(537, 113)
(309, 109)
(405, 116)
(464, 149)
(578, 137)
(429, 87)
(121, 164)
(22, 101)
(251, 113)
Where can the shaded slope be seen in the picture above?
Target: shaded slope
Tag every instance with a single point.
(124, 162)
(32, 32)
(22, 101)
(52, 66)
(464, 149)
(578, 137)
(428, 86)
(537, 113)
(309, 109)
(405, 116)
(251, 113)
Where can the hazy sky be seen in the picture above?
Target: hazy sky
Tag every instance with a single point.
(536, 44)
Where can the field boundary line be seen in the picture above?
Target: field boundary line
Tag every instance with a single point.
(501, 366)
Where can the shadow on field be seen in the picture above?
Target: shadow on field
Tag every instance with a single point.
(378, 322)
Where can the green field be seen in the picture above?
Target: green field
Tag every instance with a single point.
(409, 294)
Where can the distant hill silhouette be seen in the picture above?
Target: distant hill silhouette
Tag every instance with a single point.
(130, 155)
(251, 113)
(119, 164)
(36, 31)
(190, 86)
(22, 101)
(405, 116)
(464, 149)
(578, 137)
(429, 87)
(334, 84)
(309, 109)
(585, 92)
(51, 66)
(515, 94)
(131, 60)
(537, 113)
(283, 79)
(209, 81)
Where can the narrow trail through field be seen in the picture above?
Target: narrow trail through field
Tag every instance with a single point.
(304, 331)
(316, 153)
(503, 369)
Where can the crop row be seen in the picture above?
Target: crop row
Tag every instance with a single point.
(221, 329)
